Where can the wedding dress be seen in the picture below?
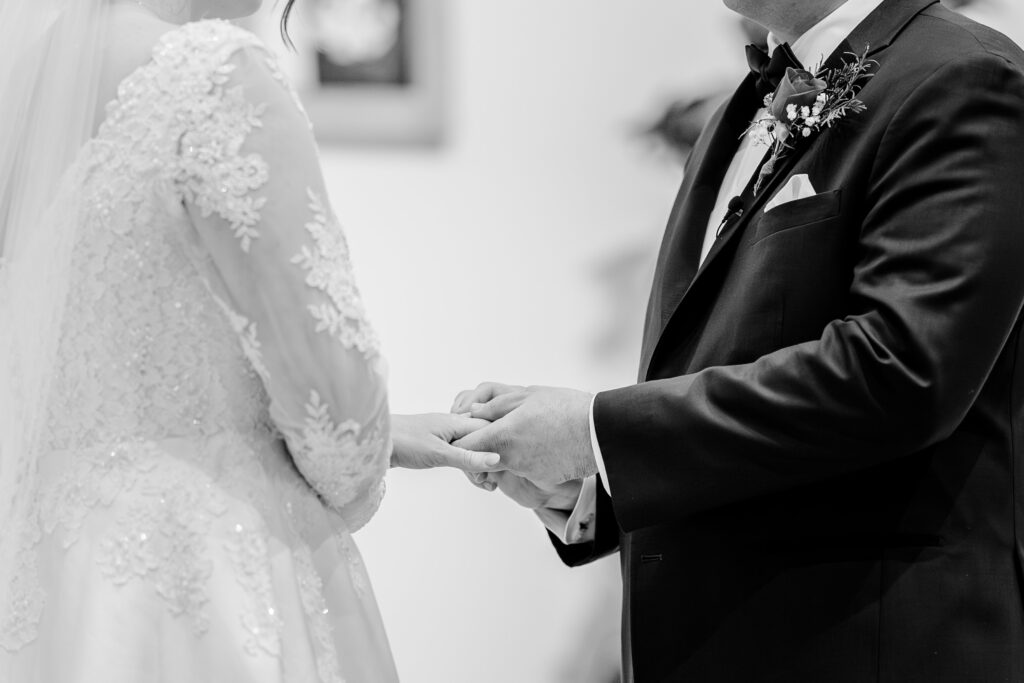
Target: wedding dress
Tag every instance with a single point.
(217, 423)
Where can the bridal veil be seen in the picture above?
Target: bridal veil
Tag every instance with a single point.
(49, 80)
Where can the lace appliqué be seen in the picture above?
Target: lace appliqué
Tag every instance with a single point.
(247, 549)
(162, 539)
(161, 534)
(26, 598)
(144, 352)
(214, 174)
(331, 456)
(278, 75)
(311, 592)
(248, 338)
(329, 269)
(357, 569)
(94, 479)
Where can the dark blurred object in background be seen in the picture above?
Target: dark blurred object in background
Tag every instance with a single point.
(681, 124)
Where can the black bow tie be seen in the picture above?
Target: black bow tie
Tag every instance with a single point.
(770, 70)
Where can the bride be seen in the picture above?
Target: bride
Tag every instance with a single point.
(193, 413)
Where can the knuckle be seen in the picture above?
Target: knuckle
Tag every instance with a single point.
(503, 440)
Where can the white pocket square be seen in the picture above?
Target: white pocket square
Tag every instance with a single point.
(798, 187)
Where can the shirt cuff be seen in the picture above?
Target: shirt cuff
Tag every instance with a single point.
(577, 526)
(597, 450)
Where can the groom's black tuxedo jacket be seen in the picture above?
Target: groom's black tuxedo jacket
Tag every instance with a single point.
(820, 476)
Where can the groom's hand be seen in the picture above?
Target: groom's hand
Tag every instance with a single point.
(482, 394)
(530, 495)
(462, 405)
(425, 441)
(541, 433)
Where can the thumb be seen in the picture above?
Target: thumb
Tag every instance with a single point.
(466, 460)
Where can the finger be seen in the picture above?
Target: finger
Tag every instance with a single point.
(466, 460)
(481, 480)
(462, 402)
(499, 479)
(479, 441)
(482, 394)
(498, 407)
(463, 426)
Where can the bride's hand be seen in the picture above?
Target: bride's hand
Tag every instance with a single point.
(425, 441)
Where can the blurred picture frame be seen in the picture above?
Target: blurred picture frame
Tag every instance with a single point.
(371, 72)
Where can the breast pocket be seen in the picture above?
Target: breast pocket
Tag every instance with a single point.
(798, 214)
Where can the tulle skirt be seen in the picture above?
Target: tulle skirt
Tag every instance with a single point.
(187, 561)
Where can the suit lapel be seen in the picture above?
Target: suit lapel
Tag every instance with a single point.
(874, 34)
(709, 173)
(680, 249)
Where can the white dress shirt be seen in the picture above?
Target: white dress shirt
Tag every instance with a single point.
(812, 49)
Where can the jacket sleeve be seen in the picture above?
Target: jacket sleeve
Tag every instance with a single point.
(606, 535)
(935, 295)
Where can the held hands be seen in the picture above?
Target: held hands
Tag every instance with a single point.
(541, 433)
(425, 441)
(532, 443)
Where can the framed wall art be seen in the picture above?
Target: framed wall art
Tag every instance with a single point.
(370, 72)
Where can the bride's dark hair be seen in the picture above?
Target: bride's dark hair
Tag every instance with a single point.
(284, 23)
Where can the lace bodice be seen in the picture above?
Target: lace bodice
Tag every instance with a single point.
(212, 288)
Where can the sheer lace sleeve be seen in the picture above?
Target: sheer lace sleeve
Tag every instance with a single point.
(250, 179)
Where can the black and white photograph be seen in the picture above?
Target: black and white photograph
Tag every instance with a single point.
(480, 341)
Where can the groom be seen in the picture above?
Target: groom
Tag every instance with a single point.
(817, 477)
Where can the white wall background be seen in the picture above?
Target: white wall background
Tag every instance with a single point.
(477, 262)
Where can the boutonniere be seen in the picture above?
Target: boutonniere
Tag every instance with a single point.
(806, 103)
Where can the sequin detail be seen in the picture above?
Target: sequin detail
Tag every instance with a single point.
(162, 535)
(247, 549)
(311, 592)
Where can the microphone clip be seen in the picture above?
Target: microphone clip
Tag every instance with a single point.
(735, 210)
